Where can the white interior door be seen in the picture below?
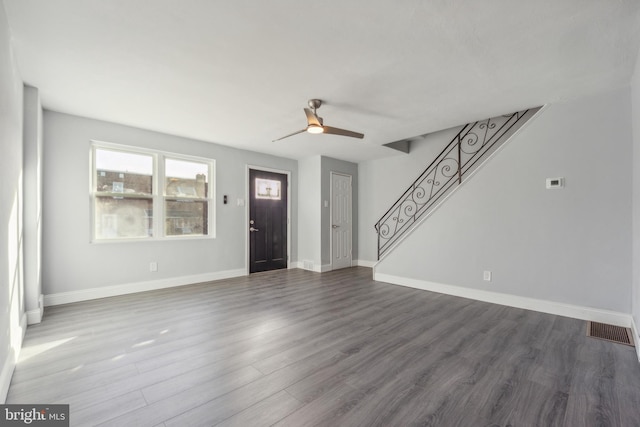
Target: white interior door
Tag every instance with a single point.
(341, 224)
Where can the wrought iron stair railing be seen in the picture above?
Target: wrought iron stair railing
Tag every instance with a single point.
(463, 154)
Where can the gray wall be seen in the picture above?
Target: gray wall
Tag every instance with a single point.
(32, 203)
(72, 263)
(11, 228)
(571, 245)
(309, 214)
(382, 182)
(314, 218)
(328, 165)
(635, 120)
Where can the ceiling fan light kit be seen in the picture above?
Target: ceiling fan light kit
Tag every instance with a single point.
(316, 126)
(314, 129)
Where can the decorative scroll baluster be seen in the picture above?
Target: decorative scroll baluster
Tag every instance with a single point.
(469, 146)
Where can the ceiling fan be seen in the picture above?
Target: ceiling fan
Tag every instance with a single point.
(315, 125)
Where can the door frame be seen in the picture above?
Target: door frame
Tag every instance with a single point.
(247, 214)
(331, 175)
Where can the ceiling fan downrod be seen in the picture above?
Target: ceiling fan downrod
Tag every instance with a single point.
(314, 104)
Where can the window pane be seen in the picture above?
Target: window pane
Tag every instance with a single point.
(186, 179)
(122, 172)
(186, 217)
(267, 189)
(123, 218)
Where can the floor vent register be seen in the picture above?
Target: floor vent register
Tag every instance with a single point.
(612, 333)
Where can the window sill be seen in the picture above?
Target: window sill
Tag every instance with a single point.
(150, 239)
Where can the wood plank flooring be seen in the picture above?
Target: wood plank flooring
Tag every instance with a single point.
(296, 348)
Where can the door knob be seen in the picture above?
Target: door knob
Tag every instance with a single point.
(252, 229)
(335, 226)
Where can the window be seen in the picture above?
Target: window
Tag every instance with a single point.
(144, 194)
(185, 203)
(267, 189)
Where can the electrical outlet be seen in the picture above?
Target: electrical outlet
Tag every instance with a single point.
(487, 276)
(153, 266)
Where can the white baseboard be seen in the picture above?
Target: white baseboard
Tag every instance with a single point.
(130, 288)
(327, 267)
(544, 306)
(35, 316)
(317, 268)
(365, 263)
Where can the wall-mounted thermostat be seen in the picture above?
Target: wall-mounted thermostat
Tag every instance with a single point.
(555, 183)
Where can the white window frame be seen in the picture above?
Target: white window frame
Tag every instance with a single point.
(158, 192)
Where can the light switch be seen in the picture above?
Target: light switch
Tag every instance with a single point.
(553, 183)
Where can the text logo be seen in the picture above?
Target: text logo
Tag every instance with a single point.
(34, 415)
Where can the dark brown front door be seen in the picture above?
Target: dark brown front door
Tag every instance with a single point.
(267, 220)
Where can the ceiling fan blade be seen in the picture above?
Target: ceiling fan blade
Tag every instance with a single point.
(312, 119)
(291, 134)
(343, 132)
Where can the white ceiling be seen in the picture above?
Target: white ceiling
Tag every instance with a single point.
(240, 72)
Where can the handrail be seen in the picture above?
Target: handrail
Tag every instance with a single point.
(474, 141)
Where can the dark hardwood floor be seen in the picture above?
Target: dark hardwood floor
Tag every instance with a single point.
(296, 348)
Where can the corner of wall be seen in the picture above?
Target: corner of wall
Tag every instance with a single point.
(635, 196)
(6, 373)
(636, 336)
(5, 376)
(12, 308)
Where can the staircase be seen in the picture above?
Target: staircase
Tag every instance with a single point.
(473, 145)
